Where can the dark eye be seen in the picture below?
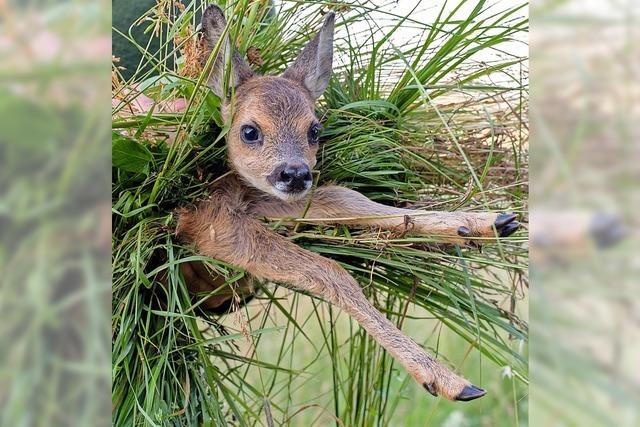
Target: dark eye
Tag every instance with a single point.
(314, 133)
(250, 134)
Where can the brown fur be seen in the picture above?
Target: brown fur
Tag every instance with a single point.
(225, 226)
(283, 111)
(333, 204)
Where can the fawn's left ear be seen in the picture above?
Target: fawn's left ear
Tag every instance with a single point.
(313, 66)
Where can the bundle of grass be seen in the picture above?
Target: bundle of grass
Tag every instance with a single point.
(387, 135)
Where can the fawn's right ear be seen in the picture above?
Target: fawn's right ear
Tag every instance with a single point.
(213, 28)
(313, 66)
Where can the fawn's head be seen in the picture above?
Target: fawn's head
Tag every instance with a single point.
(273, 136)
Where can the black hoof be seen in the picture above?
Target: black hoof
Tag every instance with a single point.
(509, 229)
(431, 389)
(464, 231)
(607, 230)
(470, 392)
(504, 219)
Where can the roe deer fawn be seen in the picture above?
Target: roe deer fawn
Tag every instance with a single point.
(271, 144)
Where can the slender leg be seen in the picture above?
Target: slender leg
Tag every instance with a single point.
(222, 232)
(334, 204)
(200, 281)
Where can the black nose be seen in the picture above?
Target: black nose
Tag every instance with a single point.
(291, 178)
(295, 177)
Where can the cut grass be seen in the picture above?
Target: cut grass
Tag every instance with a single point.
(386, 135)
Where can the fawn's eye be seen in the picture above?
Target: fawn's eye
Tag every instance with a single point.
(314, 133)
(250, 134)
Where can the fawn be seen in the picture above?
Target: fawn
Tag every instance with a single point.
(271, 145)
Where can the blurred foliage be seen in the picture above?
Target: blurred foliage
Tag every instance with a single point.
(585, 163)
(54, 215)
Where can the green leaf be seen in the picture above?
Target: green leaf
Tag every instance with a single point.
(129, 155)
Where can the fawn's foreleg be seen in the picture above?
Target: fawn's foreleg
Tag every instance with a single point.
(334, 204)
(225, 234)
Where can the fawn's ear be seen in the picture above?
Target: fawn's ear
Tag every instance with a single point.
(313, 66)
(213, 27)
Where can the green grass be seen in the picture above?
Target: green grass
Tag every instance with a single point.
(417, 123)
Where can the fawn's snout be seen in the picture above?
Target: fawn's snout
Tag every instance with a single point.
(291, 178)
